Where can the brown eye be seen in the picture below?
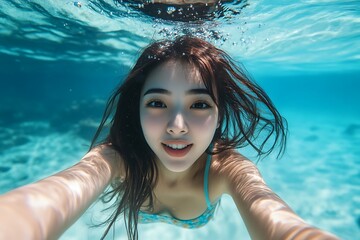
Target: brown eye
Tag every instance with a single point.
(156, 104)
(200, 105)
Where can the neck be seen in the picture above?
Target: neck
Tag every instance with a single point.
(172, 178)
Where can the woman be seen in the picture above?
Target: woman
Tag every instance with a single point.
(170, 153)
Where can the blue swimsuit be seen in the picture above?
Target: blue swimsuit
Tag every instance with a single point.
(199, 221)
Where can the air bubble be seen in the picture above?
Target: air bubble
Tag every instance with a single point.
(170, 10)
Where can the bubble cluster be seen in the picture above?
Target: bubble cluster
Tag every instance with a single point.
(204, 32)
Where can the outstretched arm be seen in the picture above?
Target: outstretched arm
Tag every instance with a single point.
(45, 209)
(265, 214)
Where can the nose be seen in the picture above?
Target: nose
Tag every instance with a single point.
(177, 125)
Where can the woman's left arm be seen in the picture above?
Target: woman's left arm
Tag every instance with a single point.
(265, 214)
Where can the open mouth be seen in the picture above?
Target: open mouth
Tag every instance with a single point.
(177, 150)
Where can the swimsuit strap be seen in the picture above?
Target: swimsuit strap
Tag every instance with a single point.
(206, 180)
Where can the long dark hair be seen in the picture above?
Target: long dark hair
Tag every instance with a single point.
(247, 117)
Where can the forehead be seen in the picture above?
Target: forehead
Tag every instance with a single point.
(174, 74)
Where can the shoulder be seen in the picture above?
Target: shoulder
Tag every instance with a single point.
(234, 170)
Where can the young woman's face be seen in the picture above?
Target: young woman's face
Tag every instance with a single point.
(178, 116)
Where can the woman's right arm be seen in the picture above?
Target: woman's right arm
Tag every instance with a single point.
(45, 209)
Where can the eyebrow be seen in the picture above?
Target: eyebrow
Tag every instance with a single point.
(167, 92)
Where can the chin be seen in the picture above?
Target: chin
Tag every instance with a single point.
(177, 167)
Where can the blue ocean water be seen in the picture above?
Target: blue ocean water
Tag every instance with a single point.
(59, 62)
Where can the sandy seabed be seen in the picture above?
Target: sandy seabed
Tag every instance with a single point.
(318, 176)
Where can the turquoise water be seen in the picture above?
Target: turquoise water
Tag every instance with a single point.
(59, 62)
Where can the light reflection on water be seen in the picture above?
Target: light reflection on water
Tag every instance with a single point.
(263, 32)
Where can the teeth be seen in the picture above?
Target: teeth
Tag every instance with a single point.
(177, 146)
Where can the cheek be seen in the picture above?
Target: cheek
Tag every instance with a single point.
(206, 121)
(151, 124)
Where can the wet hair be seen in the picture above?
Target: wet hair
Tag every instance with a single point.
(246, 116)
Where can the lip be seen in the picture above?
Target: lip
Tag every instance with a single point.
(183, 142)
(175, 152)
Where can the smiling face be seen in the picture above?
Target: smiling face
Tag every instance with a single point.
(178, 116)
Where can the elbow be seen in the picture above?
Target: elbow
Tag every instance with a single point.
(300, 231)
(309, 233)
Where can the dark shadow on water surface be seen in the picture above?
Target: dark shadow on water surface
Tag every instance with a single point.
(183, 11)
(186, 12)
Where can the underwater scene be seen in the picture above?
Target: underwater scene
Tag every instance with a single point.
(60, 61)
